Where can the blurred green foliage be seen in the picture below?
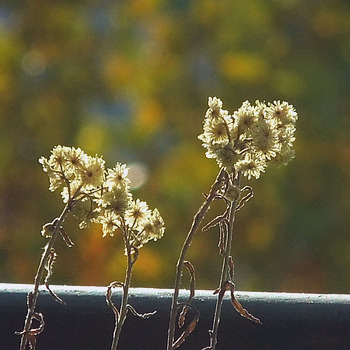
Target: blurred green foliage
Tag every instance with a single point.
(130, 80)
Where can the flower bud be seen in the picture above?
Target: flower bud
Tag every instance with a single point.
(232, 193)
(47, 230)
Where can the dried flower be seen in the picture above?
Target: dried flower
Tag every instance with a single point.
(138, 214)
(92, 172)
(265, 138)
(116, 199)
(58, 158)
(154, 227)
(252, 165)
(283, 112)
(245, 118)
(215, 105)
(110, 222)
(251, 137)
(75, 158)
(93, 194)
(118, 176)
(86, 211)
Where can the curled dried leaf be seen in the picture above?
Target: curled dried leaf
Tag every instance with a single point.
(109, 301)
(190, 328)
(217, 220)
(191, 270)
(246, 198)
(54, 295)
(32, 333)
(40, 318)
(49, 268)
(238, 307)
(182, 316)
(216, 291)
(142, 316)
(229, 285)
(231, 267)
(66, 238)
(135, 254)
(32, 341)
(47, 230)
(222, 237)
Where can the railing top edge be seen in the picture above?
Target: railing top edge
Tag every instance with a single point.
(200, 294)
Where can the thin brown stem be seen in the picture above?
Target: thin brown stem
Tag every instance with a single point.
(225, 271)
(180, 263)
(119, 321)
(39, 276)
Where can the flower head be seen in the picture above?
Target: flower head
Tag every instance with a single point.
(283, 112)
(217, 130)
(117, 200)
(138, 214)
(245, 118)
(265, 138)
(74, 158)
(253, 136)
(227, 156)
(86, 211)
(92, 172)
(58, 157)
(152, 229)
(252, 165)
(158, 225)
(118, 176)
(110, 222)
(215, 105)
(56, 177)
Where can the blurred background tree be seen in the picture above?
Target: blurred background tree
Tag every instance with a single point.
(130, 80)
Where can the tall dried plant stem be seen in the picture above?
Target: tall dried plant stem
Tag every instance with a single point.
(39, 277)
(225, 276)
(120, 319)
(180, 263)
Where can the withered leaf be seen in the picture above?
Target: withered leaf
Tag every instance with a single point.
(109, 297)
(239, 308)
(187, 331)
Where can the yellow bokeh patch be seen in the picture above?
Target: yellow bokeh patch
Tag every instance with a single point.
(149, 117)
(144, 7)
(259, 235)
(117, 72)
(91, 138)
(243, 66)
(149, 266)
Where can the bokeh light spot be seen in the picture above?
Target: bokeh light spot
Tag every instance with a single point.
(138, 174)
(243, 66)
(259, 235)
(149, 117)
(91, 138)
(33, 63)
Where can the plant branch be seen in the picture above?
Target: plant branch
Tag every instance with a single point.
(120, 319)
(33, 297)
(180, 263)
(226, 269)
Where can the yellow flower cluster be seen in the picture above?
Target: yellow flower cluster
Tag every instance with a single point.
(97, 194)
(251, 137)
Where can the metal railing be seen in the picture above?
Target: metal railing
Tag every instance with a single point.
(290, 321)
